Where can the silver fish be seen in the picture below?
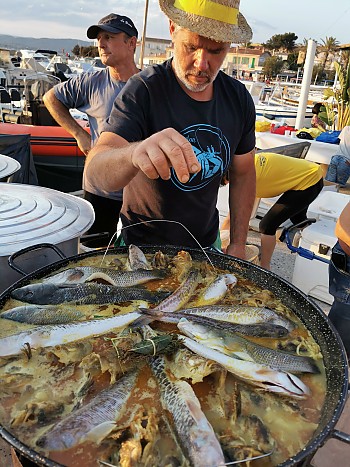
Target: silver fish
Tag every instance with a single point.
(258, 375)
(49, 336)
(237, 346)
(195, 433)
(182, 294)
(92, 422)
(82, 274)
(83, 294)
(217, 289)
(241, 314)
(137, 259)
(258, 330)
(42, 314)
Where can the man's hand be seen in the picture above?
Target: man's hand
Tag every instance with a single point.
(84, 142)
(163, 150)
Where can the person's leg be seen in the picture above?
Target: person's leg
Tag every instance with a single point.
(343, 170)
(339, 287)
(331, 175)
(302, 200)
(292, 205)
(268, 227)
(268, 243)
(106, 218)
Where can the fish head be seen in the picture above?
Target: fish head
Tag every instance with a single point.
(230, 280)
(192, 330)
(34, 293)
(70, 276)
(53, 442)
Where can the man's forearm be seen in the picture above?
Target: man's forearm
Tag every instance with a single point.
(109, 167)
(240, 213)
(62, 115)
(241, 201)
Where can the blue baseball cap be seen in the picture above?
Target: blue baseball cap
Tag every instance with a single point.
(113, 23)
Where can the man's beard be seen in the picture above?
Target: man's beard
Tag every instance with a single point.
(193, 87)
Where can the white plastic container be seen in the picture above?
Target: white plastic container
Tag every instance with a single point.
(328, 205)
(311, 276)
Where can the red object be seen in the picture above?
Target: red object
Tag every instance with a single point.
(281, 129)
(45, 140)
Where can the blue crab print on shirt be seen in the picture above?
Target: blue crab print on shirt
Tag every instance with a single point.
(213, 153)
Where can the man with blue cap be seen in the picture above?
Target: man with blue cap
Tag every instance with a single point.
(94, 94)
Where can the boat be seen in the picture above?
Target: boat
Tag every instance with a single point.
(270, 104)
(58, 160)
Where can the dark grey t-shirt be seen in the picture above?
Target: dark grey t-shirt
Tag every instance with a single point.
(93, 93)
(217, 129)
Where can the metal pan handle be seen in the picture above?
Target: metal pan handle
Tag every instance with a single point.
(341, 436)
(39, 246)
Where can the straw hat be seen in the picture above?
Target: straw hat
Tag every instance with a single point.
(218, 20)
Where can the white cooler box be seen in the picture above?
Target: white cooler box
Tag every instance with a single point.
(328, 205)
(311, 276)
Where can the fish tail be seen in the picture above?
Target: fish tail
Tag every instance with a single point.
(149, 315)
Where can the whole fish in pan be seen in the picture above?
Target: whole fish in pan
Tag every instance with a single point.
(42, 314)
(94, 421)
(82, 274)
(83, 294)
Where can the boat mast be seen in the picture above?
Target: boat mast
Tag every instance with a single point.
(143, 39)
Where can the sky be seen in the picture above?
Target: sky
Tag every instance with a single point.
(69, 19)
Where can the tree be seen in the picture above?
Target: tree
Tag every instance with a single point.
(76, 50)
(273, 66)
(89, 51)
(292, 61)
(330, 45)
(338, 100)
(283, 42)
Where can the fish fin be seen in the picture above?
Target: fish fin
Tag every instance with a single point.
(152, 312)
(141, 321)
(100, 432)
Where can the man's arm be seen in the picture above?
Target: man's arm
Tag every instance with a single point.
(113, 162)
(241, 200)
(63, 117)
(342, 229)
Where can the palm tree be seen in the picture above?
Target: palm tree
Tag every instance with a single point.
(330, 45)
(337, 100)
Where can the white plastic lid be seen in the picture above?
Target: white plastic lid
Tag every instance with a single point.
(8, 166)
(32, 214)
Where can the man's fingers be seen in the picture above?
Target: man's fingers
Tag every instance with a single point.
(179, 153)
(161, 151)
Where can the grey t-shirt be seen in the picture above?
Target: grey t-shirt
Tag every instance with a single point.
(92, 93)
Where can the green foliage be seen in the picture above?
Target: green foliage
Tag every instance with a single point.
(90, 51)
(337, 101)
(272, 66)
(292, 61)
(282, 42)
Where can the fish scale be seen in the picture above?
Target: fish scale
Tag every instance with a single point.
(93, 421)
(84, 294)
(49, 336)
(181, 295)
(82, 274)
(241, 314)
(195, 433)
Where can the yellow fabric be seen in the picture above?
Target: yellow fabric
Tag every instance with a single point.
(276, 174)
(314, 132)
(262, 126)
(208, 9)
